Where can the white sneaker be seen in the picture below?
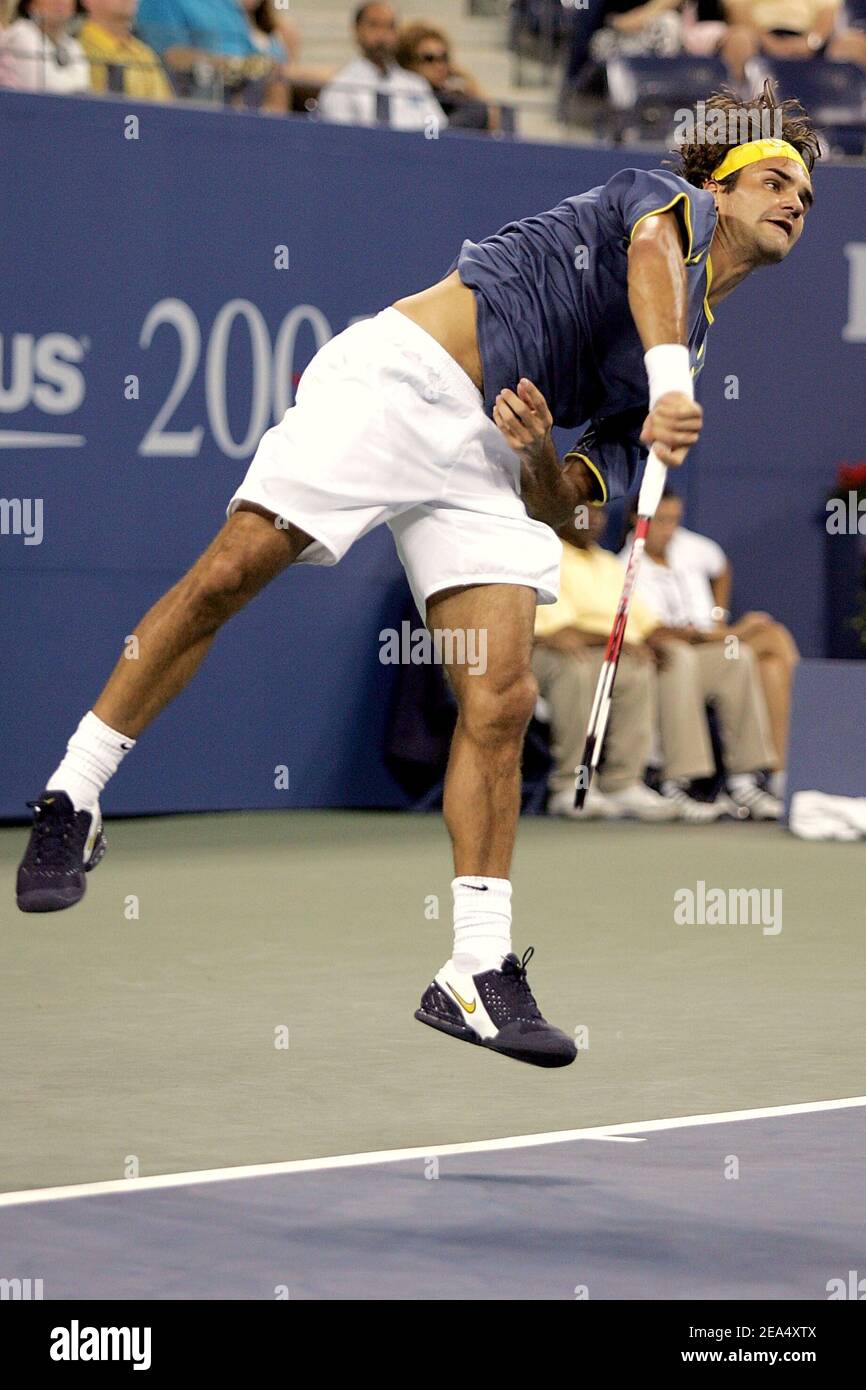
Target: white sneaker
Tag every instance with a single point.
(642, 803)
(689, 809)
(596, 806)
(759, 805)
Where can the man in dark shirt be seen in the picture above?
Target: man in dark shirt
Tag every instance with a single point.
(550, 307)
(435, 416)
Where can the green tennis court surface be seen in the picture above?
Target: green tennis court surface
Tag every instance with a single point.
(157, 1043)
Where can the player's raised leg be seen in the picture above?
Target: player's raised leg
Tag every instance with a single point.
(172, 640)
(481, 994)
(176, 633)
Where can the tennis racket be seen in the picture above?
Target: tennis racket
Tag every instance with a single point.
(649, 497)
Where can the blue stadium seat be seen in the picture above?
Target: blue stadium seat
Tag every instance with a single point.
(834, 94)
(646, 93)
(829, 91)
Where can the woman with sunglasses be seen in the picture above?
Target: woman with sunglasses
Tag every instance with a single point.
(425, 49)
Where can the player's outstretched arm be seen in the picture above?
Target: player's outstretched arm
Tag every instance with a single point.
(550, 492)
(658, 299)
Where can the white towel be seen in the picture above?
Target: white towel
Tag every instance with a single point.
(818, 816)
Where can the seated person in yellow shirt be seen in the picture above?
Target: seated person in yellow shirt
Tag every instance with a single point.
(119, 62)
(570, 640)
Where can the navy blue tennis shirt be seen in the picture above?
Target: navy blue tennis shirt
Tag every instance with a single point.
(552, 299)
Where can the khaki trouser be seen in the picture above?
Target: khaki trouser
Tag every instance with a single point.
(568, 685)
(692, 677)
(673, 699)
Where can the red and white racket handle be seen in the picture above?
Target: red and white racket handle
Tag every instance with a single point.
(654, 478)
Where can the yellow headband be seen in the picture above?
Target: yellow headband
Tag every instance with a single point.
(750, 153)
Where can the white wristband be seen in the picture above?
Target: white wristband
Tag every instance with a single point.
(668, 369)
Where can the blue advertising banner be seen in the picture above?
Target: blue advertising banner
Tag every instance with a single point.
(168, 275)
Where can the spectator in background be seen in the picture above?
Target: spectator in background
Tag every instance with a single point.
(272, 21)
(270, 40)
(39, 53)
(794, 29)
(269, 22)
(705, 30)
(691, 585)
(633, 29)
(570, 637)
(426, 50)
(668, 28)
(200, 39)
(702, 667)
(373, 89)
(119, 62)
(269, 37)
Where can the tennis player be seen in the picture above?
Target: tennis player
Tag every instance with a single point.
(435, 418)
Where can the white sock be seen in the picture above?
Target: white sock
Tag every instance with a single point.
(93, 754)
(482, 922)
(776, 785)
(742, 782)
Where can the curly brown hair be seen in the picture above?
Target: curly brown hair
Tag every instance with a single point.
(786, 120)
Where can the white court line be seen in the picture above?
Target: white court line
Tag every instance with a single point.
(365, 1160)
(613, 1139)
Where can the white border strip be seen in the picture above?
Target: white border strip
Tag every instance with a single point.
(363, 1160)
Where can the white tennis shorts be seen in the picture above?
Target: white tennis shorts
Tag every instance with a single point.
(387, 427)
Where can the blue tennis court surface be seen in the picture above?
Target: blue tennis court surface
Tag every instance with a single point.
(772, 1207)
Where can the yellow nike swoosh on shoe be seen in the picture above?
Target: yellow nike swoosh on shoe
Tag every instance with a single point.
(91, 840)
(470, 1008)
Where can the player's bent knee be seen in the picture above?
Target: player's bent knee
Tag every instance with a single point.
(218, 585)
(498, 713)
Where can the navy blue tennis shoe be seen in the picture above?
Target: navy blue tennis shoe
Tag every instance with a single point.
(496, 1009)
(64, 845)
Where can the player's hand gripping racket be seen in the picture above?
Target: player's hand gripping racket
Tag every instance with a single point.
(651, 491)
